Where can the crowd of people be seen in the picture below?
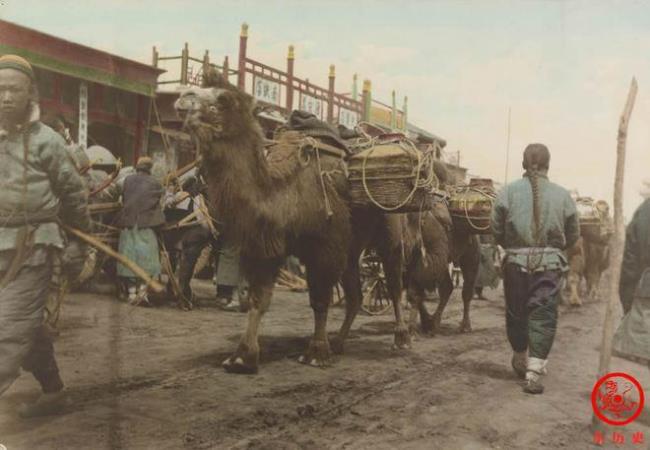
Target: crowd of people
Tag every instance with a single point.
(534, 221)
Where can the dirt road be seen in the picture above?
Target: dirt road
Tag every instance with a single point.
(143, 378)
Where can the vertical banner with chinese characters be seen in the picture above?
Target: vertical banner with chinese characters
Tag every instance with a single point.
(347, 118)
(266, 90)
(311, 105)
(82, 136)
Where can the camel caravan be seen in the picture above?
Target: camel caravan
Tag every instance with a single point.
(326, 197)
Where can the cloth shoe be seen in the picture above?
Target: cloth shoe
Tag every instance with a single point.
(232, 306)
(519, 363)
(142, 296)
(535, 370)
(132, 295)
(46, 405)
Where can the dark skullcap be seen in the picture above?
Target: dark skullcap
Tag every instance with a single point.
(17, 63)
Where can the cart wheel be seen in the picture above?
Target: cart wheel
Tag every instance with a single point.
(375, 300)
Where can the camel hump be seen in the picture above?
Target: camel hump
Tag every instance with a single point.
(284, 156)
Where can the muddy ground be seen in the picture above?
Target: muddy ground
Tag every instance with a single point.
(143, 378)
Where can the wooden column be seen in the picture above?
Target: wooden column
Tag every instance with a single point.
(154, 57)
(405, 114)
(290, 66)
(206, 62)
(226, 69)
(241, 68)
(330, 94)
(393, 112)
(366, 98)
(184, 63)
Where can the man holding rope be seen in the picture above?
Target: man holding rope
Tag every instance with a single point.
(40, 187)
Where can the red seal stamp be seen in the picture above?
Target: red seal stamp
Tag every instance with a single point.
(617, 398)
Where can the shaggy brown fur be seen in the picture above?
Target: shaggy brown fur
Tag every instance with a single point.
(588, 259)
(387, 234)
(431, 243)
(269, 207)
(428, 267)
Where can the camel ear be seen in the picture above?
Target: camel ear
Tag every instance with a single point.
(213, 78)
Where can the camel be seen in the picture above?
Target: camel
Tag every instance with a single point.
(387, 234)
(428, 267)
(589, 258)
(272, 207)
(382, 232)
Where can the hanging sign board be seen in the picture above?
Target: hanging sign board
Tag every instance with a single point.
(311, 105)
(82, 136)
(266, 90)
(347, 118)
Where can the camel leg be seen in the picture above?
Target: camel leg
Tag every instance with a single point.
(574, 282)
(415, 297)
(469, 263)
(592, 278)
(445, 288)
(351, 283)
(320, 296)
(391, 257)
(246, 357)
(261, 282)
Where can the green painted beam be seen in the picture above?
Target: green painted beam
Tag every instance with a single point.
(85, 73)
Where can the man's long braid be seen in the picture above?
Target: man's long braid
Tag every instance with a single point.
(534, 184)
(536, 160)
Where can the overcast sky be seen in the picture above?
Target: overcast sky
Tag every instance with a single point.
(563, 68)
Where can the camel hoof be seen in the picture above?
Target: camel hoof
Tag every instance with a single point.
(428, 325)
(317, 354)
(465, 327)
(236, 364)
(337, 346)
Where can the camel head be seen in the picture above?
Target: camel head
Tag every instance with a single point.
(217, 109)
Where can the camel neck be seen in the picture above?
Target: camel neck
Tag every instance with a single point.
(238, 177)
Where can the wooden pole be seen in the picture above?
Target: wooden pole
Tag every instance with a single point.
(619, 233)
(137, 270)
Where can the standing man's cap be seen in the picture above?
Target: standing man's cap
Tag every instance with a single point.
(17, 63)
(144, 163)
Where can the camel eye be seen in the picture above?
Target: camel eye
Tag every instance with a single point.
(212, 109)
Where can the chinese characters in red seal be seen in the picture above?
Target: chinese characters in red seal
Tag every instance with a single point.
(617, 399)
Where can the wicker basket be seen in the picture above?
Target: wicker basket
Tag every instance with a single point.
(385, 176)
(591, 222)
(470, 206)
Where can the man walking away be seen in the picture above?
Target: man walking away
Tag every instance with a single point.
(534, 220)
(141, 213)
(40, 186)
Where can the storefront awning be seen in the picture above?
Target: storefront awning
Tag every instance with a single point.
(68, 58)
